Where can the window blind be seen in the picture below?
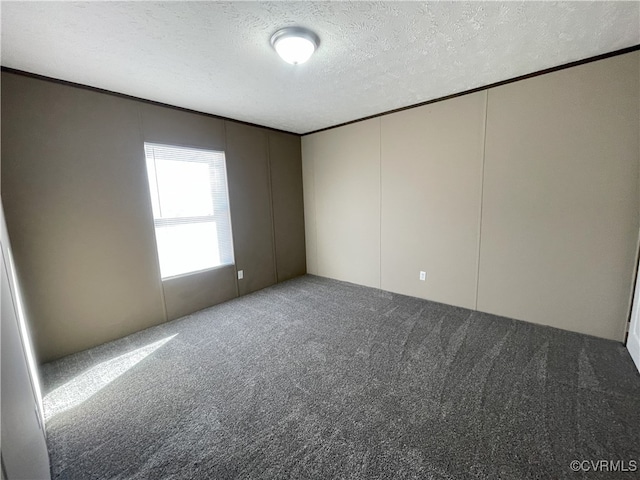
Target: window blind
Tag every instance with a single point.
(190, 203)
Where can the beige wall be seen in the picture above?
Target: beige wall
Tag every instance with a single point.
(560, 211)
(342, 169)
(77, 205)
(431, 196)
(538, 223)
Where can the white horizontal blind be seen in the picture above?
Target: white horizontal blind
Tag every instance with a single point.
(190, 202)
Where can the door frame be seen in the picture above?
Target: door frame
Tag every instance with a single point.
(633, 335)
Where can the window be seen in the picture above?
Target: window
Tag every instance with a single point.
(190, 203)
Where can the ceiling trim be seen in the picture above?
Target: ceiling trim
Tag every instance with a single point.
(428, 102)
(564, 66)
(132, 97)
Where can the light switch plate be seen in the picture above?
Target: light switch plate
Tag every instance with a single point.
(240, 274)
(423, 276)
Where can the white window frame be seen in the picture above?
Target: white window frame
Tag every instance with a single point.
(219, 217)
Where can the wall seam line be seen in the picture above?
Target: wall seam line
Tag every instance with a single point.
(380, 186)
(273, 213)
(315, 212)
(484, 153)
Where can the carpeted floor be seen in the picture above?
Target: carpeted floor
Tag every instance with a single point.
(319, 379)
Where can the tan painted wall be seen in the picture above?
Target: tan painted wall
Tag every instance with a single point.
(78, 213)
(342, 168)
(431, 195)
(545, 231)
(186, 294)
(77, 205)
(250, 202)
(189, 293)
(560, 211)
(285, 161)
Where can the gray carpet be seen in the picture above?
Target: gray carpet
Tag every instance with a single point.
(319, 379)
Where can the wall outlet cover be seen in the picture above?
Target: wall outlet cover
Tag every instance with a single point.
(423, 276)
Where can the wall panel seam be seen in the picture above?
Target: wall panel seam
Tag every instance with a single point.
(484, 153)
(273, 214)
(315, 212)
(380, 193)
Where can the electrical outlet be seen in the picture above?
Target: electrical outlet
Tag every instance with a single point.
(423, 276)
(240, 274)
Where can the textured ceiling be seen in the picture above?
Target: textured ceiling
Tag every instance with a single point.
(215, 57)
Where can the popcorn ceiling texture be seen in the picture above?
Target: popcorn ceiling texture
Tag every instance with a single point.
(215, 57)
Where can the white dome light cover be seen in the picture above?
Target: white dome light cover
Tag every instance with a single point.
(295, 45)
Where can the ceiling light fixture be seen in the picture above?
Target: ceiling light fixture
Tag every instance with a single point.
(295, 44)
